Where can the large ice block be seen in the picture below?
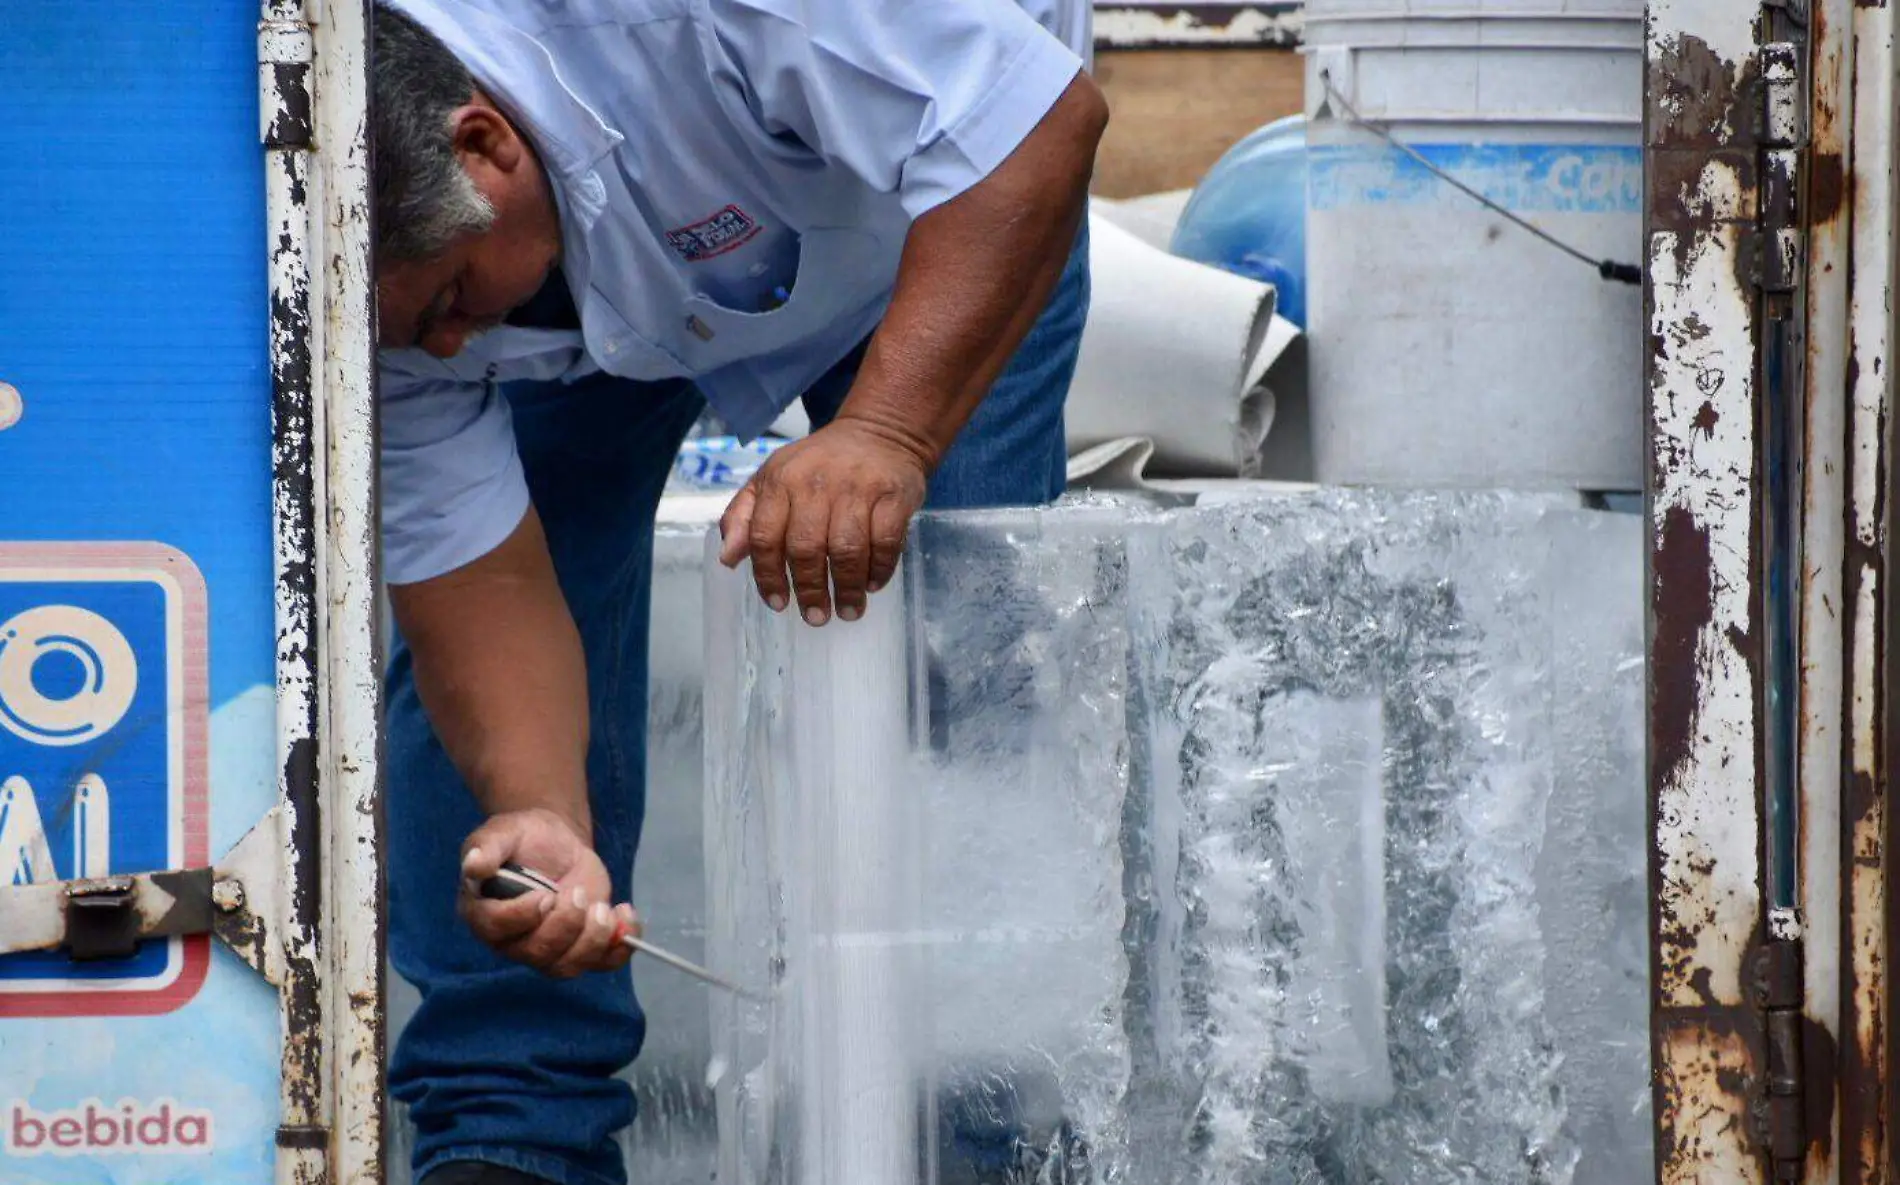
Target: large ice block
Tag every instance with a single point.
(1290, 840)
(931, 888)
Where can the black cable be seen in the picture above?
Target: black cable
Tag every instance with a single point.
(1622, 273)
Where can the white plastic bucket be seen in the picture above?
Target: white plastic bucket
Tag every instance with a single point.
(1449, 346)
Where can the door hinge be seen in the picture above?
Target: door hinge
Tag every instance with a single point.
(1780, 1104)
(1778, 1109)
(1782, 239)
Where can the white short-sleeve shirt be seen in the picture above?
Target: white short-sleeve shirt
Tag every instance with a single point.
(735, 179)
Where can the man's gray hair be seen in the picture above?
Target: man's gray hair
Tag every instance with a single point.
(425, 199)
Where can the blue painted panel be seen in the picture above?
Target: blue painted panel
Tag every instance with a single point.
(133, 315)
(134, 539)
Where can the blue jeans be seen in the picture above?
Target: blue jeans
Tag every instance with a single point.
(500, 1063)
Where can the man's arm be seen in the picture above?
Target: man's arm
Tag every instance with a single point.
(974, 276)
(499, 669)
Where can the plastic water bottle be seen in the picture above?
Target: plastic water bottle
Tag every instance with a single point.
(720, 462)
(1248, 215)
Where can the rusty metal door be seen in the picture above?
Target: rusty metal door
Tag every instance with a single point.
(1770, 134)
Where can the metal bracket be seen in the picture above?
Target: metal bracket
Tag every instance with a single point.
(239, 900)
(249, 897)
(286, 48)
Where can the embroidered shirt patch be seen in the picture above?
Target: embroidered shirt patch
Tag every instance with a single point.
(729, 228)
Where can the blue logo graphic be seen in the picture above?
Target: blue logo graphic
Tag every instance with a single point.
(92, 747)
(67, 675)
(1524, 178)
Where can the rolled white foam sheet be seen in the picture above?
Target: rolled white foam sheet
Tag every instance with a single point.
(1151, 217)
(1177, 352)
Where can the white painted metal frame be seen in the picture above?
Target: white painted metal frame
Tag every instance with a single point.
(1821, 708)
(1705, 678)
(313, 85)
(1869, 196)
(348, 575)
(286, 51)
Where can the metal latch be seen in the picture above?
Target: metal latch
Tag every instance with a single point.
(100, 922)
(101, 918)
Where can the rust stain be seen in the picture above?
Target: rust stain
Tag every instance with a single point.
(1703, 116)
(1676, 198)
(1702, 1060)
(1827, 187)
(1863, 1056)
(1694, 95)
(1683, 602)
(1865, 1060)
(1705, 419)
(1744, 643)
(1819, 1059)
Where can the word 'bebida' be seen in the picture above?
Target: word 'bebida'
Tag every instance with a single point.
(95, 1128)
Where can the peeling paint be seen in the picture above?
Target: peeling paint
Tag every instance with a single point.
(1704, 1064)
(1136, 26)
(290, 125)
(1701, 91)
(1706, 642)
(285, 50)
(1703, 717)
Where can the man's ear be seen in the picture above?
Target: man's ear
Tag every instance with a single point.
(484, 139)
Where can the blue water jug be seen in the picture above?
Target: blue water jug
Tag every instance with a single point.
(1248, 215)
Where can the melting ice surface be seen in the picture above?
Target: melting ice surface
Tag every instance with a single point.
(1283, 841)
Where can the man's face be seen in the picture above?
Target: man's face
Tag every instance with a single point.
(439, 304)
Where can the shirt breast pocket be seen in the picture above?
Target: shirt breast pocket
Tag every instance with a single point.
(840, 271)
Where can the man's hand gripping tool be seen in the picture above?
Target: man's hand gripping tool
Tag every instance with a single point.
(515, 881)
